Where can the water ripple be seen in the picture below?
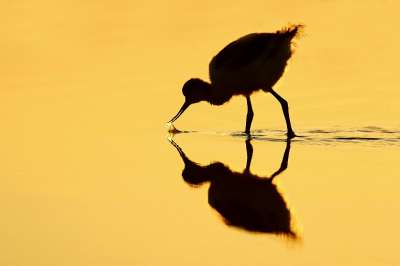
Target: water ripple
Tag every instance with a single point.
(365, 136)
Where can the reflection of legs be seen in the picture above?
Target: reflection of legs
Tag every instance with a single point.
(250, 115)
(249, 149)
(285, 160)
(285, 109)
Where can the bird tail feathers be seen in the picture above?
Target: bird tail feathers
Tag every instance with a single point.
(293, 31)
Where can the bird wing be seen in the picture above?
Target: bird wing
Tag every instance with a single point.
(244, 50)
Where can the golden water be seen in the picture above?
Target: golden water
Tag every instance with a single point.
(87, 176)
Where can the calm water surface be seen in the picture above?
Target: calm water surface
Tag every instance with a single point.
(89, 175)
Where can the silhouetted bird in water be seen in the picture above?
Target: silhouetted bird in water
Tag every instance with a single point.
(251, 63)
(243, 199)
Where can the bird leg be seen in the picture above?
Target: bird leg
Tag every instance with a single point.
(285, 109)
(284, 163)
(250, 115)
(249, 150)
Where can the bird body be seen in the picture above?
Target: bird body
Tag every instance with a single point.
(253, 62)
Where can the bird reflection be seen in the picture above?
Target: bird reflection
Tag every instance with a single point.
(244, 200)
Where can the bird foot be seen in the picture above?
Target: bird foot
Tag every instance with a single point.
(291, 135)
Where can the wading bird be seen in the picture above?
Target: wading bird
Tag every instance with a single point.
(244, 200)
(251, 63)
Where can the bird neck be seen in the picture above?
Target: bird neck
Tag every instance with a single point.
(216, 98)
(212, 96)
(210, 93)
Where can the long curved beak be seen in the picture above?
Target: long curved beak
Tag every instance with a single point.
(184, 107)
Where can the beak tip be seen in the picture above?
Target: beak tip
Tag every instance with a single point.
(184, 107)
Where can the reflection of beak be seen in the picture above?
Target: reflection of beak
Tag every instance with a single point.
(177, 147)
(185, 105)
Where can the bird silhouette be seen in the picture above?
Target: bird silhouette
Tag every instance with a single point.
(251, 63)
(244, 200)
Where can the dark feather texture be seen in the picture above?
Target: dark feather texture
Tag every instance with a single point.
(239, 54)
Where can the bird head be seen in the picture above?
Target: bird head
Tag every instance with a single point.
(195, 90)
